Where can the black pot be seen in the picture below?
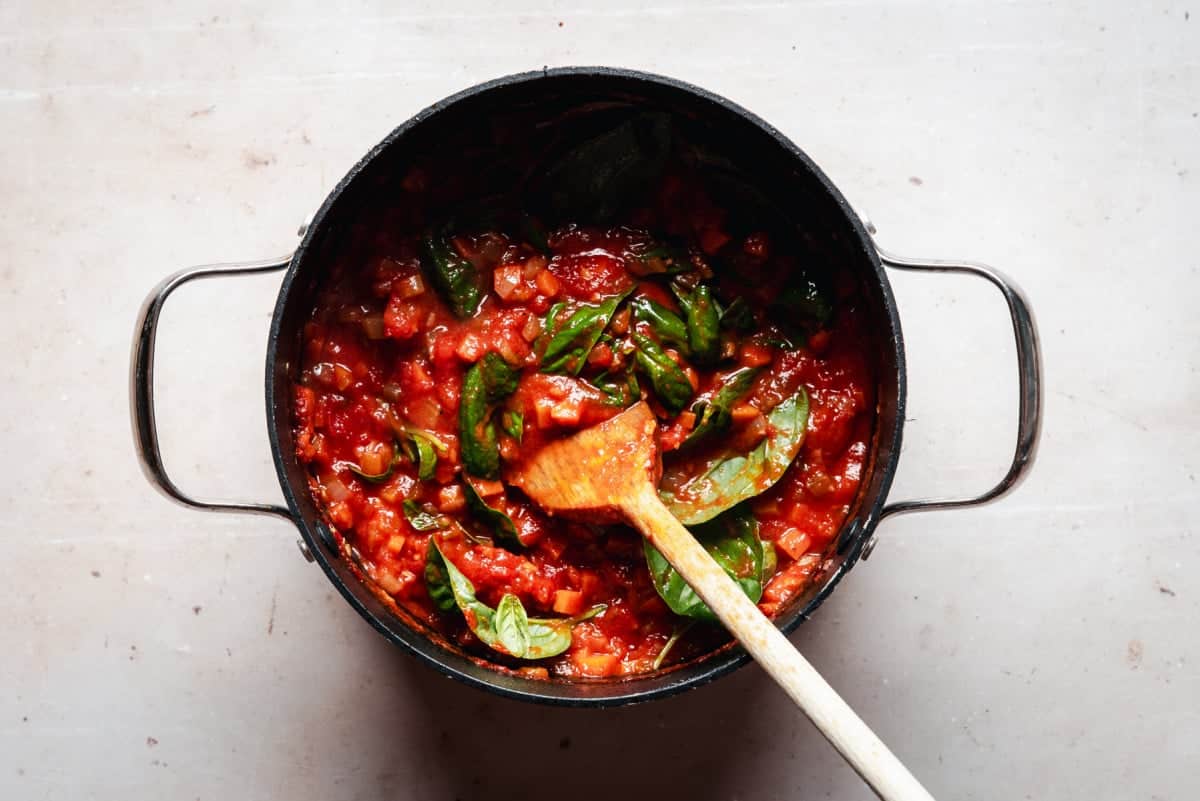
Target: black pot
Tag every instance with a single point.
(777, 170)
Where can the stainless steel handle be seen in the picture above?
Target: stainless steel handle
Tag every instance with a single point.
(141, 385)
(1029, 374)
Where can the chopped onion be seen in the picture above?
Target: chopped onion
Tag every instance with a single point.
(335, 490)
(506, 280)
(532, 328)
(373, 326)
(411, 287)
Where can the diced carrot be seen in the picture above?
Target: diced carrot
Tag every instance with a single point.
(597, 665)
(568, 602)
(756, 355)
(687, 420)
(395, 543)
(743, 413)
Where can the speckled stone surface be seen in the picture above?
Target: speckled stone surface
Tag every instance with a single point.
(1045, 647)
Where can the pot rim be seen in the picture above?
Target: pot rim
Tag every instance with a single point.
(721, 662)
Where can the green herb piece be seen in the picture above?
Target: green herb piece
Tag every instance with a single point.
(662, 260)
(714, 415)
(727, 478)
(770, 561)
(489, 381)
(611, 171)
(666, 324)
(732, 540)
(550, 325)
(420, 519)
(456, 278)
(670, 383)
(703, 322)
(513, 423)
(422, 450)
(737, 316)
(507, 628)
(620, 390)
(806, 301)
(681, 628)
(501, 525)
(569, 346)
(437, 579)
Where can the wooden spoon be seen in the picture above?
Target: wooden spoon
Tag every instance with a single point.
(609, 473)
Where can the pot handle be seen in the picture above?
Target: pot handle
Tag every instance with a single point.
(141, 385)
(1029, 374)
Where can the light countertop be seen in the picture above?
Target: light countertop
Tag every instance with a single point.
(1044, 647)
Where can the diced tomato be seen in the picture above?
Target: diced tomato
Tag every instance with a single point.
(589, 276)
(401, 318)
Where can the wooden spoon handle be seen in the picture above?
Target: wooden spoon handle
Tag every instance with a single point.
(865, 752)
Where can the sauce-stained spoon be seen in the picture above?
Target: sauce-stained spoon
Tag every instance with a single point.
(609, 473)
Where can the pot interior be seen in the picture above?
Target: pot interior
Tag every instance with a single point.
(482, 150)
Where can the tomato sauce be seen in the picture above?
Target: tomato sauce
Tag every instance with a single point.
(394, 447)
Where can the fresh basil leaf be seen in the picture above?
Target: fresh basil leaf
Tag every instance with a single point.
(703, 322)
(568, 348)
(770, 561)
(737, 316)
(714, 415)
(611, 171)
(552, 636)
(506, 629)
(550, 324)
(670, 383)
(456, 278)
(661, 260)
(501, 525)
(489, 381)
(733, 542)
(422, 450)
(512, 625)
(619, 390)
(513, 423)
(699, 490)
(805, 301)
(420, 519)
(666, 324)
(437, 579)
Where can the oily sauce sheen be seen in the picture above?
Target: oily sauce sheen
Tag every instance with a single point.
(378, 405)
